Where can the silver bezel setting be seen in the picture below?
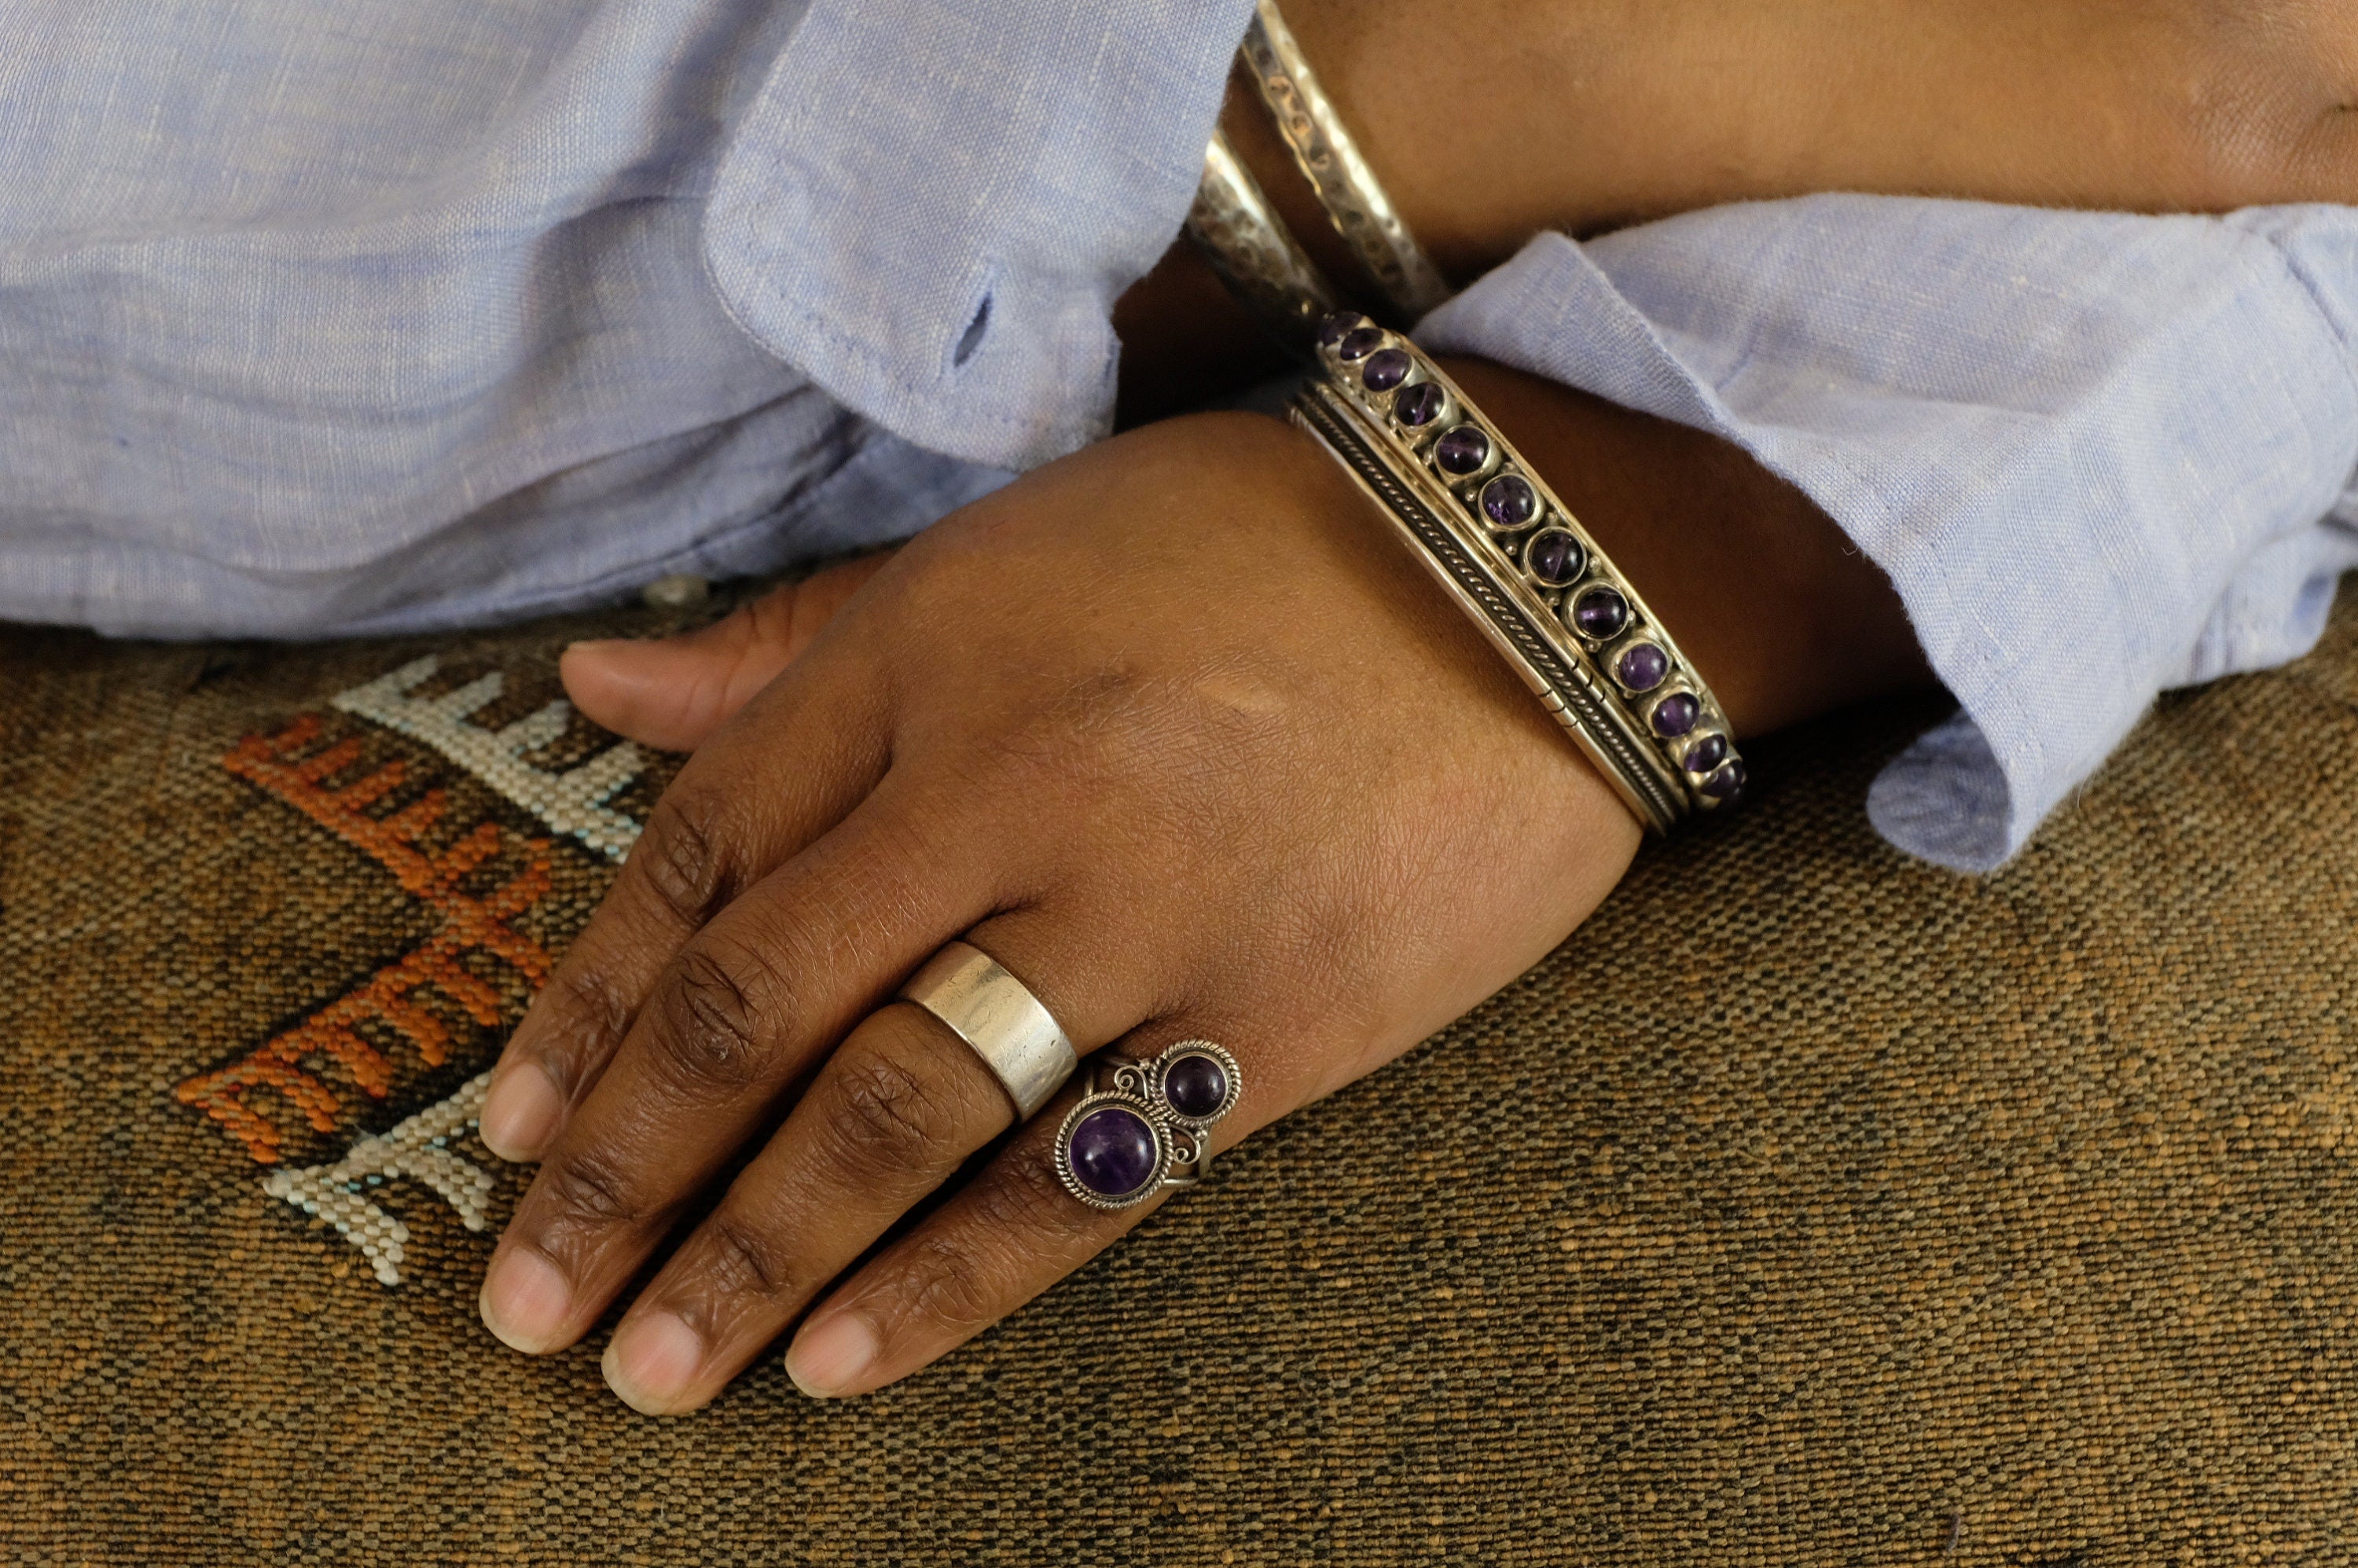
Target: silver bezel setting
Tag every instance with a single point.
(1159, 1070)
(1630, 639)
(1552, 521)
(1696, 737)
(1156, 1126)
(1589, 583)
(1538, 522)
(1465, 486)
(1676, 686)
(1416, 437)
(1183, 1144)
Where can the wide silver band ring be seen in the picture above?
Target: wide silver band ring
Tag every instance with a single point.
(1017, 1038)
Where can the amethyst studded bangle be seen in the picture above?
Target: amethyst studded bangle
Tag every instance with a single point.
(1514, 557)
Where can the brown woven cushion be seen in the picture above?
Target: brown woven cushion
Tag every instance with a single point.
(1809, 1205)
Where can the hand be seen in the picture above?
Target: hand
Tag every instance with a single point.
(671, 693)
(1174, 731)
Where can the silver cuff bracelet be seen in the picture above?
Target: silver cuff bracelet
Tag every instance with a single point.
(1513, 557)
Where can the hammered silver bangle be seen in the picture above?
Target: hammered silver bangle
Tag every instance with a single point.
(1254, 253)
(1330, 160)
(1513, 557)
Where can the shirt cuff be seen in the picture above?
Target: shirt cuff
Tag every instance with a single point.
(933, 205)
(2097, 454)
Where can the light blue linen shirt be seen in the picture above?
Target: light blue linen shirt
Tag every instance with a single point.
(399, 315)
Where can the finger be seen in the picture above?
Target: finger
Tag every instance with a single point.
(671, 693)
(739, 1016)
(896, 1110)
(1008, 1235)
(729, 818)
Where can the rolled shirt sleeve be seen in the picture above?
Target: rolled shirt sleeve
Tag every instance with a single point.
(2099, 455)
(932, 205)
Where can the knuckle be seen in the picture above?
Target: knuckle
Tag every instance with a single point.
(882, 1114)
(1086, 727)
(1178, 739)
(588, 1189)
(1024, 1198)
(708, 1034)
(686, 853)
(951, 1285)
(770, 618)
(1021, 1229)
(596, 1016)
(741, 1260)
(1116, 718)
(2246, 89)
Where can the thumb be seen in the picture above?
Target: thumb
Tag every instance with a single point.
(672, 692)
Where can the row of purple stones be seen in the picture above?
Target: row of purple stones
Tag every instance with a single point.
(1113, 1151)
(1553, 556)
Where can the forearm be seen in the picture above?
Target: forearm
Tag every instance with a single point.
(1501, 118)
(1511, 117)
(2097, 454)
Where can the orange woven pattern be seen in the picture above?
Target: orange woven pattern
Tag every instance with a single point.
(468, 924)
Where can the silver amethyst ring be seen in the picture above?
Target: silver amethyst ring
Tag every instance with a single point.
(1145, 1125)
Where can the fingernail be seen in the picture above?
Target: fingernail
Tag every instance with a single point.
(829, 1357)
(651, 1361)
(525, 1301)
(520, 1114)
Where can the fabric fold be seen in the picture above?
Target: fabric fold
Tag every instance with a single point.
(936, 236)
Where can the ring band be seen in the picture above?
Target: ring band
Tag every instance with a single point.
(991, 1010)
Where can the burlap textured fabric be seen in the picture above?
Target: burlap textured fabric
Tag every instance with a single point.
(1809, 1206)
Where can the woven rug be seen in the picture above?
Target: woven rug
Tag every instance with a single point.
(1809, 1206)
